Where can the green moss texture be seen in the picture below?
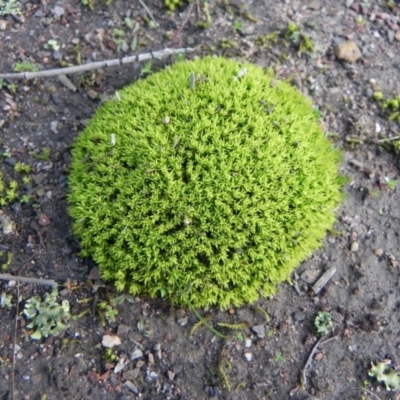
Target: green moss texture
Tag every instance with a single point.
(206, 184)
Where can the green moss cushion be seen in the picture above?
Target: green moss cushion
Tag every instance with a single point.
(206, 183)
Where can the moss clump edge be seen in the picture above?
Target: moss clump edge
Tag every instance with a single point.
(206, 183)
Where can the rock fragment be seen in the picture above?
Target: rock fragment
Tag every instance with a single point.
(348, 51)
(110, 341)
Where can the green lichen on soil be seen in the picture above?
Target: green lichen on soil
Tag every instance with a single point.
(206, 183)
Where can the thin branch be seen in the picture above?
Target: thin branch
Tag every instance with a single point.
(185, 21)
(320, 342)
(16, 326)
(148, 11)
(97, 65)
(9, 277)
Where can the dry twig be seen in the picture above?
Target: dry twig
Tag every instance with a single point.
(97, 65)
(320, 342)
(179, 30)
(18, 278)
(148, 11)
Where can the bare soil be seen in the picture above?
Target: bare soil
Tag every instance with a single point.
(362, 297)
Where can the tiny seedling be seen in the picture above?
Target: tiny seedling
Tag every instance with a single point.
(323, 323)
(10, 7)
(239, 337)
(22, 168)
(392, 184)
(109, 356)
(386, 375)
(44, 155)
(237, 25)
(278, 357)
(25, 66)
(5, 300)
(173, 4)
(25, 199)
(146, 69)
(52, 45)
(106, 310)
(46, 316)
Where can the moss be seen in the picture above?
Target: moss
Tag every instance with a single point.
(206, 183)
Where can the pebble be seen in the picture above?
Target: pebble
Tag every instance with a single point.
(397, 36)
(44, 220)
(110, 341)
(53, 126)
(171, 375)
(131, 387)
(259, 330)
(121, 328)
(299, 316)
(7, 225)
(348, 51)
(157, 350)
(56, 55)
(152, 376)
(136, 354)
(58, 11)
(182, 321)
(92, 94)
(310, 276)
(318, 357)
(248, 356)
(247, 343)
(354, 246)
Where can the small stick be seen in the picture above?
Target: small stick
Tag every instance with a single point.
(321, 282)
(148, 11)
(369, 392)
(178, 32)
(97, 65)
(389, 139)
(9, 277)
(303, 379)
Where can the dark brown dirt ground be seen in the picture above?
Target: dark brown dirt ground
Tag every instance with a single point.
(363, 296)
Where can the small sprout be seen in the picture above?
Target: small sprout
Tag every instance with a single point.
(25, 199)
(10, 7)
(52, 45)
(46, 317)
(239, 337)
(388, 376)
(146, 69)
(278, 356)
(5, 300)
(109, 356)
(44, 155)
(110, 313)
(392, 184)
(377, 96)
(323, 323)
(128, 22)
(25, 66)
(237, 25)
(22, 167)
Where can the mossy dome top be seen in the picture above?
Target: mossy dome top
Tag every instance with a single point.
(206, 183)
